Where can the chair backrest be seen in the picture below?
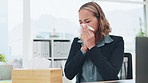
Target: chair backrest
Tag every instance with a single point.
(126, 71)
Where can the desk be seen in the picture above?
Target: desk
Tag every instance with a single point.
(116, 81)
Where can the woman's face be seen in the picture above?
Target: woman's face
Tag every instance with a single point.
(87, 17)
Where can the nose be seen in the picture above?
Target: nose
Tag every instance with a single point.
(83, 25)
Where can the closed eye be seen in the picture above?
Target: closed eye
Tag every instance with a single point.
(88, 21)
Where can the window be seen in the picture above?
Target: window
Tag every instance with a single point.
(48, 15)
(15, 19)
(124, 20)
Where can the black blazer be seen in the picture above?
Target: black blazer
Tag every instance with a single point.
(108, 59)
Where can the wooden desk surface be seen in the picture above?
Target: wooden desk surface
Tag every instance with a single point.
(116, 81)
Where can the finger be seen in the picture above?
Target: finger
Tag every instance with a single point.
(90, 32)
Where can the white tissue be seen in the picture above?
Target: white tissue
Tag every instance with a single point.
(39, 63)
(80, 30)
(90, 28)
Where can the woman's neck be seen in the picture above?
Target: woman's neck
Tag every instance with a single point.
(98, 38)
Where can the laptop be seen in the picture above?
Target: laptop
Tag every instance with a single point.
(5, 72)
(141, 59)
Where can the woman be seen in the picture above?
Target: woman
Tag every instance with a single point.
(96, 55)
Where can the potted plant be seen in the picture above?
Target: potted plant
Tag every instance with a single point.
(141, 31)
(3, 58)
(5, 69)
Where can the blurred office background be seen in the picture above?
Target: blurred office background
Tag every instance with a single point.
(23, 20)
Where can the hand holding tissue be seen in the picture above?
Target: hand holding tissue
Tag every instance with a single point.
(90, 28)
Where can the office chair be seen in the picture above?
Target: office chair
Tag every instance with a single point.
(126, 70)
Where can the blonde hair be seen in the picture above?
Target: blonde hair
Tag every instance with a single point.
(104, 26)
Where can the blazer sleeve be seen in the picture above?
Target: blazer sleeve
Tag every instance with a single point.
(75, 60)
(108, 67)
